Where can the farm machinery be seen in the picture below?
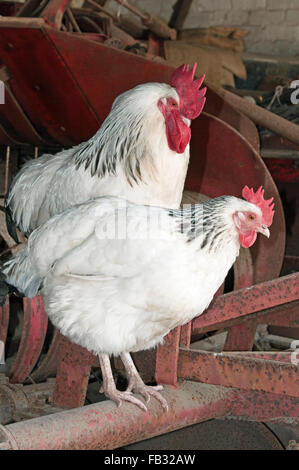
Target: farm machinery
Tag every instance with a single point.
(59, 87)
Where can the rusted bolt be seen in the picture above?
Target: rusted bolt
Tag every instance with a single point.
(10, 45)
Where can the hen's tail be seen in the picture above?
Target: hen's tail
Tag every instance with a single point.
(21, 274)
(27, 200)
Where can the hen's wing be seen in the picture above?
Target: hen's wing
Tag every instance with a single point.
(105, 237)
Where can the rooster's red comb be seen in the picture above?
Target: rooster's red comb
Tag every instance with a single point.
(192, 99)
(266, 205)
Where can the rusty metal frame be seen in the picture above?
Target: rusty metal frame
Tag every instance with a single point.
(239, 371)
(104, 426)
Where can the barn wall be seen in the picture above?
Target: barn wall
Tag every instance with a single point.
(272, 25)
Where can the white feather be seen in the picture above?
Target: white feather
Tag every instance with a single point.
(122, 294)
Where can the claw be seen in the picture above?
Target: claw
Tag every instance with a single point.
(147, 392)
(118, 397)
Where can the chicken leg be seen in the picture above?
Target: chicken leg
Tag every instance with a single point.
(137, 385)
(109, 387)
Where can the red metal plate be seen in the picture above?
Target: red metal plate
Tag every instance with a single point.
(239, 371)
(33, 335)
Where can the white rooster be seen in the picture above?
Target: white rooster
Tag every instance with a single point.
(117, 277)
(140, 153)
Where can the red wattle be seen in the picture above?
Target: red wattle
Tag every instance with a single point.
(248, 239)
(177, 132)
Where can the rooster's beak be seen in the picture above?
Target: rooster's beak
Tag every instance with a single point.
(264, 230)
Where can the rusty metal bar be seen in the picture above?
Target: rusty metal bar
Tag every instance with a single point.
(284, 356)
(4, 320)
(238, 304)
(54, 12)
(185, 335)
(167, 358)
(72, 374)
(104, 426)
(283, 315)
(239, 371)
(48, 366)
(261, 116)
(241, 337)
(261, 406)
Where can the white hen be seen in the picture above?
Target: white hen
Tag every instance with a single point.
(140, 153)
(117, 277)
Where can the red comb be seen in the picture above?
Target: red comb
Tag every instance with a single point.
(264, 204)
(192, 99)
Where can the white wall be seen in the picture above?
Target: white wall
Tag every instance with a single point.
(272, 25)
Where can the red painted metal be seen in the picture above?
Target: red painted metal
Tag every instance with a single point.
(167, 358)
(9, 8)
(4, 320)
(239, 371)
(54, 12)
(105, 426)
(16, 123)
(185, 335)
(241, 337)
(266, 355)
(49, 365)
(49, 107)
(283, 170)
(33, 335)
(261, 406)
(72, 374)
(285, 315)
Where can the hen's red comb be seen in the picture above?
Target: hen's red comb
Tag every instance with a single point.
(264, 204)
(192, 99)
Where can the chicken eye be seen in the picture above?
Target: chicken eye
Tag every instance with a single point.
(251, 217)
(172, 103)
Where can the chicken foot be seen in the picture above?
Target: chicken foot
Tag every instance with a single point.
(137, 385)
(109, 387)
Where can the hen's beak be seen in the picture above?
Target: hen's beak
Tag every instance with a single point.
(264, 230)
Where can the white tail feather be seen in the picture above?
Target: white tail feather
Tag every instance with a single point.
(20, 273)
